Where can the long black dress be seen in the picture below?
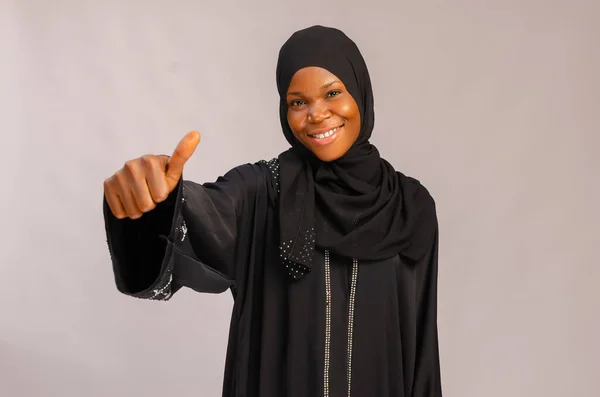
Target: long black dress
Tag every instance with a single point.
(223, 236)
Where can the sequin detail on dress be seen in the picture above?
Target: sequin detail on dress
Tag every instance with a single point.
(273, 166)
(183, 230)
(163, 292)
(291, 261)
(295, 270)
(163, 289)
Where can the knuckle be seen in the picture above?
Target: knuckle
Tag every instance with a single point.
(130, 166)
(163, 195)
(159, 189)
(119, 215)
(145, 203)
(160, 197)
(119, 178)
(148, 207)
(148, 160)
(133, 212)
(107, 184)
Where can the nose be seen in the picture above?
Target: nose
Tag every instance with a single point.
(318, 112)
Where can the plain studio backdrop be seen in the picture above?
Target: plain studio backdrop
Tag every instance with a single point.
(493, 105)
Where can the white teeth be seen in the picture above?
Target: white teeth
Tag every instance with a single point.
(326, 134)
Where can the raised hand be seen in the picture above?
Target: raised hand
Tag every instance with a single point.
(144, 182)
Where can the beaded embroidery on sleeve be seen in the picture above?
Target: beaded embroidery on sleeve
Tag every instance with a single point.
(161, 290)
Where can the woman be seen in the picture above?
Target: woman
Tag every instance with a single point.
(331, 255)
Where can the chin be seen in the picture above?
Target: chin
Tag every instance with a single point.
(327, 155)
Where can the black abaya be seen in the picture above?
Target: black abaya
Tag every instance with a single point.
(225, 236)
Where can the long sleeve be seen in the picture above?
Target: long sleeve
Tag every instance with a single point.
(197, 238)
(427, 379)
(137, 249)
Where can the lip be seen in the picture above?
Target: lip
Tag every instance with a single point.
(329, 139)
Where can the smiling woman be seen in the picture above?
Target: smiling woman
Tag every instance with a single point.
(322, 113)
(330, 253)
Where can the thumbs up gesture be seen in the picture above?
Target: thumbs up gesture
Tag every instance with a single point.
(144, 182)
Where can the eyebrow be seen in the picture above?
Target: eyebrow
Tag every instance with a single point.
(323, 87)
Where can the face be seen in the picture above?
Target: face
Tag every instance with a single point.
(321, 113)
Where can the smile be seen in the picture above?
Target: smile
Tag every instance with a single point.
(326, 137)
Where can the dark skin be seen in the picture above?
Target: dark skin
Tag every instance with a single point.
(318, 103)
(144, 182)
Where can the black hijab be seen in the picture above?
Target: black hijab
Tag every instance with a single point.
(357, 206)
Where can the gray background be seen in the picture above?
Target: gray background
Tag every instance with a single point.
(493, 105)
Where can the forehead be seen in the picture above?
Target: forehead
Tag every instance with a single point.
(311, 78)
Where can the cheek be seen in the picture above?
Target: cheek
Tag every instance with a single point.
(350, 112)
(295, 121)
(346, 110)
(354, 132)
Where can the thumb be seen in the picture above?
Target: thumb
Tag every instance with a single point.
(182, 153)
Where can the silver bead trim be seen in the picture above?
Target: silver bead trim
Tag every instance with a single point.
(183, 230)
(351, 305)
(327, 325)
(164, 292)
(351, 321)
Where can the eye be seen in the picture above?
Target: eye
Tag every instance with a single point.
(296, 102)
(333, 93)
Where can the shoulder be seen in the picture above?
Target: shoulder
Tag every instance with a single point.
(420, 208)
(252, 175)
(411, 188)
(414, 189)
(256, 171)
(247, 179)
(258, 177)
(413, 183)
(270, 168)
